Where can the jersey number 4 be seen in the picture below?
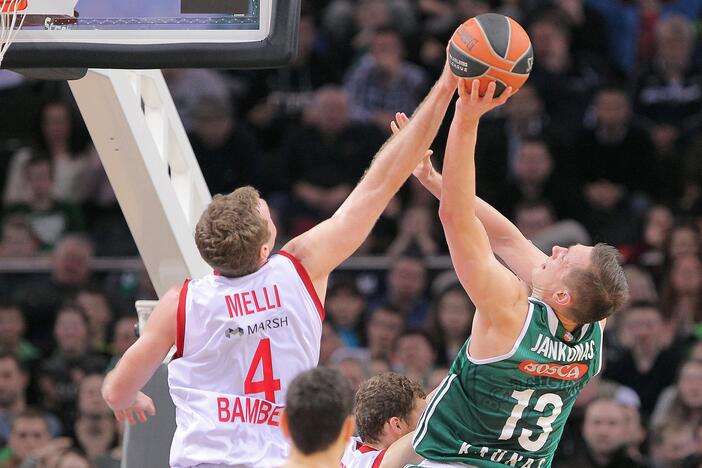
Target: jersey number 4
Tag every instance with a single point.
(544, 422)
(268, 385)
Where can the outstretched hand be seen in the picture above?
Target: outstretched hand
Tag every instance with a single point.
(424, 169)
(471, 105)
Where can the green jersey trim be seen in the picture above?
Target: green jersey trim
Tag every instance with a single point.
(423, 422)
(515, 347)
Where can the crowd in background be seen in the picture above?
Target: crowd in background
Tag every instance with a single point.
(603, 144)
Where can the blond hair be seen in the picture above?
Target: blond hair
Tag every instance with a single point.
(600, 290)
(231, 232)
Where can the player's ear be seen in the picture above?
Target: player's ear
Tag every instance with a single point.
(264, 253)
(284, 424)
(562, 297)
(395, 424)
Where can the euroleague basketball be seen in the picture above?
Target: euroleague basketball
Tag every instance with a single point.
(491, 47)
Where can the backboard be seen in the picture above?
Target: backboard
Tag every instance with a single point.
(149, 34)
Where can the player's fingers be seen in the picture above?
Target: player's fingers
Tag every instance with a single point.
(120, 416)
(403, 119)
(506, 95)
(393, 127)
(151, 408)
(141, 416)
(475, 91)
(130, 417)
(428, 155)
(490, 92)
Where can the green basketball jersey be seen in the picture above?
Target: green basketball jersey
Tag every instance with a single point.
(510, 410)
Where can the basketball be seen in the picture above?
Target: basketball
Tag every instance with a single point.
(491, 47)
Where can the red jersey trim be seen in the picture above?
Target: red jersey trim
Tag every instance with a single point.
(306, 280)
(180, 320)
(363, 448)
(379, 459)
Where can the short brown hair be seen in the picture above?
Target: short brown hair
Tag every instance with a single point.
(231, 232)
(600, 290)
(380, 398)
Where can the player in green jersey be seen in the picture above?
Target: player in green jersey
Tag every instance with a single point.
(537, 336)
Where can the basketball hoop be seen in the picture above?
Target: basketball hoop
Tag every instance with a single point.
(10, 10)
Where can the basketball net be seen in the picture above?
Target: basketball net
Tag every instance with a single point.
(10, 10)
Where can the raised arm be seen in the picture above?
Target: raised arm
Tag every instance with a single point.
(508, 243)
(493, 288)
(324, 247)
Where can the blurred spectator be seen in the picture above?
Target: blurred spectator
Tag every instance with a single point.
(73, 458)
(406, 283)
(681, 294)
(61, 373)
(330, 343)
(30, 439)
(682, 241)
(351, 25)
(14, 379)
(70, 271)
(649, 252)
(190, 86)
(534, 179)
(500, 140)
(384, 326)
(12, 329)
(49, 217)
(670, 445)
(565, 79)
(95, 428)
(451, 322)
(280, 96)
(60, 140)
(414, 356)
(123, 336)
(537, 221)
(228, 154)
(382, 82)
(648, 363)
(641, 286)
(588, 29)
(18, 238)
(325, 158)
(604, 433)
(416, 233)
(668, 93)
(345, 307)
(616, 150)
(99, 311)
(681, 405)
(355, 371)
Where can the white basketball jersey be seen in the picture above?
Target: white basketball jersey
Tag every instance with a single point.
(240, 342)
(360, 455)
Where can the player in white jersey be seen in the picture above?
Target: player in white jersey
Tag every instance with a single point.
(244, 332)
(386, 407)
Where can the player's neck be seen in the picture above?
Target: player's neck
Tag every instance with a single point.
(568, 324)
(323, 459)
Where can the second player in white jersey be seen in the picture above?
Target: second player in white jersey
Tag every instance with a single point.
(240, 342)
(360, 455)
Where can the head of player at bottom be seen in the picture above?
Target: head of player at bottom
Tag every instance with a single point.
(387, 407)
(317, 418)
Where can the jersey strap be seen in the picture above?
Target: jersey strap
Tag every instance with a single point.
(180, 320)
(305, 277)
